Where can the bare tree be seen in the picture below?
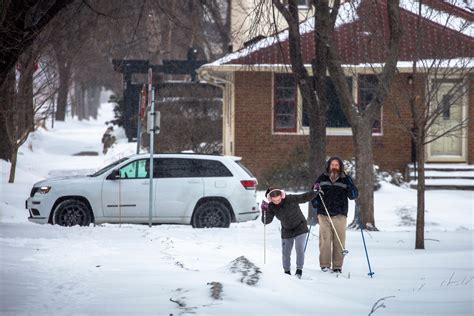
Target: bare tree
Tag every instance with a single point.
(313, 92)
(83, 39)
(436, 94)
(362, 118)
(216, 27)
(21, 22)
(328, 60)
(445, 89)
(16, 106)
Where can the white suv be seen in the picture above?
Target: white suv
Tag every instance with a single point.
(202, 190)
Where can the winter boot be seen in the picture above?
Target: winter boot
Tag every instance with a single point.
(288, 272)
(337, 270)
(325, 269)
(298, 273)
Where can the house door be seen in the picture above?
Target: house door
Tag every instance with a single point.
(449, 101)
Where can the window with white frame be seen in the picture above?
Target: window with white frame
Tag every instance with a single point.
(285, 103)
(365, 93)
(335, 117)
(303, 3)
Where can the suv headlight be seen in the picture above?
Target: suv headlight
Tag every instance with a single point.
(44, 189)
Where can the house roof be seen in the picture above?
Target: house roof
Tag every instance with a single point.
(446, 31)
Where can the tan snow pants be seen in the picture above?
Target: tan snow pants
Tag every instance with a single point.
(329, 247)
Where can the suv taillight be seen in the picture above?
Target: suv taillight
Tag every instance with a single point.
(249, 184)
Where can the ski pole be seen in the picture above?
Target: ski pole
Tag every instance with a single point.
(264, 237)
(307, 238)
(344, 251)
(264, 207)
(363, 240)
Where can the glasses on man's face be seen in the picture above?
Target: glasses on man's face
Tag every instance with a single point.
(275, 193)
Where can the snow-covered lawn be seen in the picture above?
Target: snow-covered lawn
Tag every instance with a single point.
(173, 269)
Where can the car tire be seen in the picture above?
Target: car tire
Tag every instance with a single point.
(72, 212)
(211, 214)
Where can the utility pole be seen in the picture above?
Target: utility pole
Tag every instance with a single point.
(153, 128)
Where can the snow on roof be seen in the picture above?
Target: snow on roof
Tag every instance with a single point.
(466, 5)
(347, 14)
(422, 65)
(445, 19)
(460, 63)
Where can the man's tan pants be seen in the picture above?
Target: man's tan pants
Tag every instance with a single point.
(329, 247)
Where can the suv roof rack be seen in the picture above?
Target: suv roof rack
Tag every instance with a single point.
(185, 153)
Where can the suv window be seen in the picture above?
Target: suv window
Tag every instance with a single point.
(211, 168)
(137, 169)
(176, 168)
(133, 170)
(245, 169)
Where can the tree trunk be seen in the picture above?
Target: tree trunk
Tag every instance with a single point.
(420, 192)
(364, 172)
(95, 101)
(87, 103)
(22, 112)
(24, 99)
(63, 89)
(6, 104)
(13, 159)
(317, 143)
(5, 148)
(80, 100)
(322, 26)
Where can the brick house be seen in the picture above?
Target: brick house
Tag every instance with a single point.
(263, 119)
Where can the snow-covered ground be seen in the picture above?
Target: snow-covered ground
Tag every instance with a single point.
(174, 269)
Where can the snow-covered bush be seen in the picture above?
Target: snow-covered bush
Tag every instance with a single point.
(393, 177)
(294, 174)
(350, 169)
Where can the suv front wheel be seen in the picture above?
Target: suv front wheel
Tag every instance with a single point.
(72, 212)
(211, 214)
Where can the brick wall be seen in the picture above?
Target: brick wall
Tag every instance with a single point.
(261, 150)
(254, 141)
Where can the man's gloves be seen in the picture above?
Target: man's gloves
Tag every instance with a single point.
(317, 188)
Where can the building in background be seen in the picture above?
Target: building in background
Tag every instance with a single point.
(265, 124)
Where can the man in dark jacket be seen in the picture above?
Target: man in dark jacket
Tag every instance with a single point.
(336, 187)
(293, 223)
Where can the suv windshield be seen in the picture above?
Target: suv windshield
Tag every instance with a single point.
(108, 167)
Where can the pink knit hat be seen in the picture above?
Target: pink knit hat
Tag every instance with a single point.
(271, 190)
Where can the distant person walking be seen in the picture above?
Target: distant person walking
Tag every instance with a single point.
(108, 139)
(293, 223)
(336, 188)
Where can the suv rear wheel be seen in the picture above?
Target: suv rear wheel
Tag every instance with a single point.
(211, 214)
(72, 212)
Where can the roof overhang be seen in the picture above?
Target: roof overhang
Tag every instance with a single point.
(422, 66)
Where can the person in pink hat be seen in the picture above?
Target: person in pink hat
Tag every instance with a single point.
(294, 227)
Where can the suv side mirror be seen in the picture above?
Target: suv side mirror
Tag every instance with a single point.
(114, 175)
